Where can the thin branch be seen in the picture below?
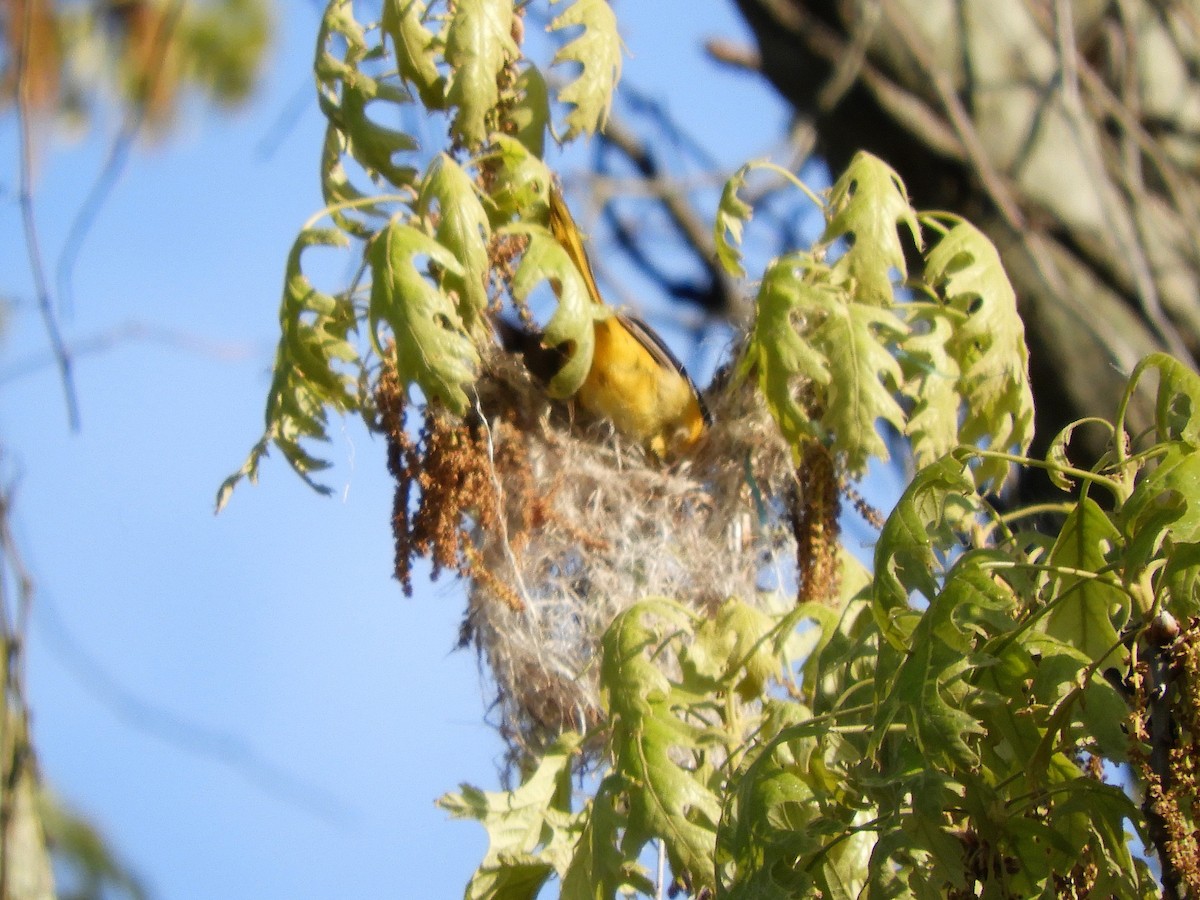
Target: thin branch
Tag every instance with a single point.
(131, 332)
(114, 163)
(32, 242)
(735, 55)
(719, 295)
(994, 183)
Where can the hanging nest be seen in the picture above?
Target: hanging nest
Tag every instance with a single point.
(558, 524)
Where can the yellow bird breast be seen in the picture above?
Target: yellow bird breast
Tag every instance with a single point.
(644, 400)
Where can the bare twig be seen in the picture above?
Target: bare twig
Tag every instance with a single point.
(114, 163)
(131, 332)
(28, 220)
(735, 55)
(719, 295)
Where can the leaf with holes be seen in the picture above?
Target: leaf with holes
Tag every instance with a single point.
(732, 215)
(653, 736)
(479, 45)
(988, 344)
(787, 366)
(462, 227)
(572, 325)
(531, 831)
(864, 379)
(433, 350)
(931, 382)
(597, 52)
(307, 379)
(416, 49)
(867, 206)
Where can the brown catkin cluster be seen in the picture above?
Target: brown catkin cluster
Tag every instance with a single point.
(558, 526)
(1179, 800)
(1165, 727)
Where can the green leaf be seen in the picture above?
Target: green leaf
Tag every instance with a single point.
(345, 92)
(529, 114)
(307, 377)
(650, 738)
(937, 654)
(433, 349)
(521, 182)
(597, 52)
(79, 847)
(572, 324)
(931, 381)
(988, 344)
(479, 44)
(864, 376)
(921, 528)
(812, 341)
(462, 228)
(733, 650)
(1165, 503)
(1181, 579)
(785, 363)
(866, 207)
(1056, 453)
(416, 49)
(337, 189)
(1177, 402)
(600, 869)
(1086, 610)
(732, 215)
(530, 830)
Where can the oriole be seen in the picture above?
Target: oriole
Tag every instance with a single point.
(634, 381)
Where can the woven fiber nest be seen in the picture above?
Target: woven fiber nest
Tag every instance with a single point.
(558, 524)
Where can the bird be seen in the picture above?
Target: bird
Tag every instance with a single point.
(635, 381)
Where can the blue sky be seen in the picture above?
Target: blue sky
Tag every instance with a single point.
(246, 704)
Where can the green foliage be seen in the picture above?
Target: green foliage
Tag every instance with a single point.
(939, 726)
(424, 223)
(147, 56)
(596, 50)
(544, 260)
(88, 868)
(432, 348)
(479, 45)
(950, 714)
(837, 349)
(531, 831)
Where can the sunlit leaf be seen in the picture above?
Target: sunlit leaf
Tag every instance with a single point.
(648, 733)
(596, 51)
(867, 207)
(432, 349)
(1087, 609)
(345, 92)
(416, 48)
(520, 181)
(462, 227)
(534, 817)
(732, 214)
(931, 379)
(1165, 504)
(308, 377)
(479, 44)
(988, 344)
(912, 545)
(572, 324)
(529, 114)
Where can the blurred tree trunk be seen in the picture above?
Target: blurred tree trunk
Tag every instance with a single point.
(1069, 130)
